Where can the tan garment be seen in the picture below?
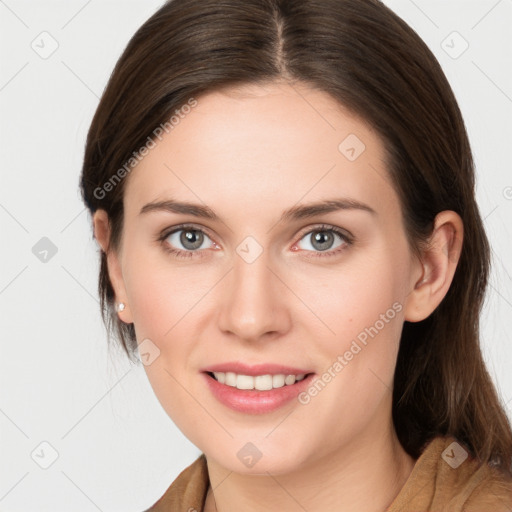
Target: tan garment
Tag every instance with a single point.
(434, 485)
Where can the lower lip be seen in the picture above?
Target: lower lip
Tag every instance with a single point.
(251, 401)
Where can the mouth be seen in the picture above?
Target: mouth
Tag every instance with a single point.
(259, 393)
(264, 382)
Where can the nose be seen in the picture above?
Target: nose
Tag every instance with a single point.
(253, 301)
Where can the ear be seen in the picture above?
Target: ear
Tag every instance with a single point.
(439, 263)
(101, 227)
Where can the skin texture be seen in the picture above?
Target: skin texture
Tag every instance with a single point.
(250, 153)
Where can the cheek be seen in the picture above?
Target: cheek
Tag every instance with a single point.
(151, 300)
(359, 299)
(159, 293)
(159, 304)
(162, 299)
(363, 309)
(356, 380)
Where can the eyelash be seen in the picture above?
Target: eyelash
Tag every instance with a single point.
(200, 254)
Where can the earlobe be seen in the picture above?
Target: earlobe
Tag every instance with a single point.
(439, 262)
(101, 226)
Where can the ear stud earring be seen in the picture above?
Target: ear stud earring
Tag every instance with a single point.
(120, 307)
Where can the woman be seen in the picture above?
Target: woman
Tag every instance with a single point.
(283, 194)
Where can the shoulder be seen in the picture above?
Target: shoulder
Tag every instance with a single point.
(446, 478)
(187, 492)
(488, 489)
(472, 486)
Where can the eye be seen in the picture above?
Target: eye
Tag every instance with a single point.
(185, 241)
(322, 239)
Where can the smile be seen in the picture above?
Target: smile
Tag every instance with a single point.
(256, 394)
(258, 382)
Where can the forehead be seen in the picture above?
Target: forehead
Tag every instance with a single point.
(275, 145)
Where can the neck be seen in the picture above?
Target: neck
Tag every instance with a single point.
(365, 475)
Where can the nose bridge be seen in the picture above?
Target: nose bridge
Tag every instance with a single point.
(252, 303)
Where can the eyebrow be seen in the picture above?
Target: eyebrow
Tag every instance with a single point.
(297, 212)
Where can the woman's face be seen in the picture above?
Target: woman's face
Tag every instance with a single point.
(263, 280)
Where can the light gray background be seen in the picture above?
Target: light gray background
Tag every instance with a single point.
(117, 449)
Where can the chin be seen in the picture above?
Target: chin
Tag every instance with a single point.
(256, 457)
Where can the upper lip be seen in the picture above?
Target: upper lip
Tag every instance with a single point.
(254, 370)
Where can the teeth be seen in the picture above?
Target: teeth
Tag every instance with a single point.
(260, 382)
(289, 380)
(278, 381)
(230, 379)
(244, 382)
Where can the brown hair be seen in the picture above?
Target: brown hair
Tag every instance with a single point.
(373, 63)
